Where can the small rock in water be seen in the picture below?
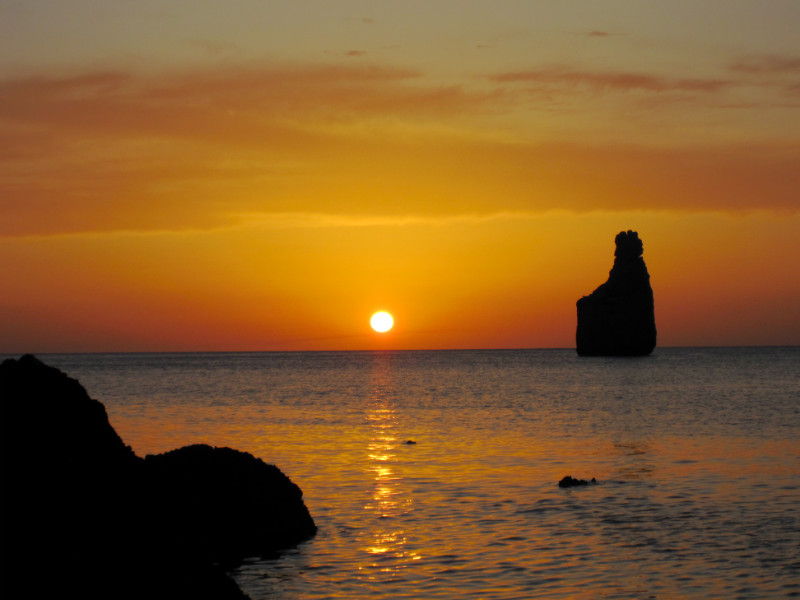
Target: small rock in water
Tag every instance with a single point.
(570, 481)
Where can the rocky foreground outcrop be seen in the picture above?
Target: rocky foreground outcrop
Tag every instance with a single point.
(618, 318)
(83, 516)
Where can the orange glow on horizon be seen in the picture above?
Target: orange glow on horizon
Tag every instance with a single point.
(506, 283)
(270, 198)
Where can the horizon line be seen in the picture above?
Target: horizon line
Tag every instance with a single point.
(380, 350)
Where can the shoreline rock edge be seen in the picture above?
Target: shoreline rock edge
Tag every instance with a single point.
(82, 513)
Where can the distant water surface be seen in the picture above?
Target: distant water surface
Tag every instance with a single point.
(696, 450)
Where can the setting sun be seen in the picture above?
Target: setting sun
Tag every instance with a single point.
(381, 321)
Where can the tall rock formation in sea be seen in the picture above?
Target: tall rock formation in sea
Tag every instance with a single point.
(618, 318)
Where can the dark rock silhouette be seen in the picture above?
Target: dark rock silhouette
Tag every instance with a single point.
(246, 506)
(570, 481)
(618, 318)
(83, 516)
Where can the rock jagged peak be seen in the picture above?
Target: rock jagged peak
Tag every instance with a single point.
(629, 270)
(618, 318)
(629, 246)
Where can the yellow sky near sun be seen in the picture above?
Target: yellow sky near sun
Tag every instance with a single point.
(268, 177)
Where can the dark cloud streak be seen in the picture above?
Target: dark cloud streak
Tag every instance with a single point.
(767, 65)
(227, 104)
(610, 80)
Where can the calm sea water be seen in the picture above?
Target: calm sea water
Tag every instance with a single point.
(696, 450)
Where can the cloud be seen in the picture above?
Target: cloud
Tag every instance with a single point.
(280, 220)
(767, 65)
(596, 33)
(778, 72)
(793, 89)
(359, 183)
(213, 47)
(121, 151)
(611, 80)
(289, 105)
(355, 53)
(226, 103)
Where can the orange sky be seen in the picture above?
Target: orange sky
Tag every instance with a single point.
(266, 178)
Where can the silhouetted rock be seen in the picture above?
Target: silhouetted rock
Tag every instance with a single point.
(49, 417)
(570, 481)
(246, 506)
(618, 318)
(64, 472)
(83, 516)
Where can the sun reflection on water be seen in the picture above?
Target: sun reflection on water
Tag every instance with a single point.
(386, 544)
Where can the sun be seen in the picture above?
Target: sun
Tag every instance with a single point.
(381, 321)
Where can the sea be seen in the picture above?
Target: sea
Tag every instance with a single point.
(433, 474)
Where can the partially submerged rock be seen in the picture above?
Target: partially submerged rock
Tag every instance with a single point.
(618, 318)
(246, 506)
(570, 481)
(83, 516)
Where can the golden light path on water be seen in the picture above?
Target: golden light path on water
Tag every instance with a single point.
(386, 549)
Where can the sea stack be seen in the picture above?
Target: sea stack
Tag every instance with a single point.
(618, 318)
